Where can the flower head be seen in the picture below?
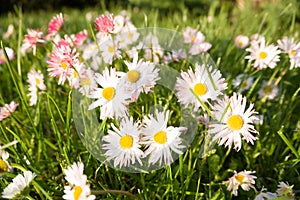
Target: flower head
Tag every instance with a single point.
(10, 53)
(20, 182)
(234, 121)
(199, 83)
(241, 41)
(78, 188)
(265, 195)
(112, 98)
(289, 46)
(4, 164)
(262, 54)
(268, 90)
(285, 190)
(123, 144)
(80, 38)
(243, 82)
(55, 24)
(36, 82)
(7, 109)
(105, 23)
(32, 38)
(161, 141)
(243, 179)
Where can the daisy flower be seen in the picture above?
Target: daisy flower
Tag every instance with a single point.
(92, 55)
(109, 51)
(285, 190)
(55, 24)
(10, 53)
(191, 35)
(78, 188)
(36, 82)
(198, 48)
(262, 54)
(123, 144)
(241, 41)
(118, 22)
(61, 62)
(31, 39)
(111, 97)
(141, 77)
(161, 139)
(4, 164)
(234, 121)
(80, 38)
(9, 32)
(174, 56)
(105, 23)
(263, 194)
(269, 91)
(7, 109)
(152, 48)
(201, 85)
(243, 179)
(127, 37)
(289, 46)
(20, 182)
(87, 82)
(243, 82)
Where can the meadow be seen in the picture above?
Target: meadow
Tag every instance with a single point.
(146, 102)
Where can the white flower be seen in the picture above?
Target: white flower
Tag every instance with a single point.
(161, 139)
(141, 77)
(201, 85)
(243, 179)
(4, 164)
(243, 82)
(19, 183)
(127, 37)
(265, 195)
(112, 98)
(285, 190)
(123, 144)
(152, 48)
(289, 46)
(78, 188)
(87, 82)
(234, 121)
(241, 41)
(269, 91)
(109, 51)
(36, 82)
(263, 55)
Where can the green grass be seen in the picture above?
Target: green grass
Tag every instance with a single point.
(47, 136)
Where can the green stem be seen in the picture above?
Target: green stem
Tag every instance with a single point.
(288, 143)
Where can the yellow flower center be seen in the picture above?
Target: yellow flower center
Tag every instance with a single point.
(37, 81)
(63, 65)
(87, 81)
(244, 84)
(133, 76)
(240, 43)
(149, 44)
(2, 57)
(108, 93)
(240, 178)
(3, 166)
(268, 89)
(293, 52)
(193, 38)
(200, 89)
(262, 55)
(77, 192)
(235, 122)
(130, 35)
(75, 74)
(160, 137)
(126, 141)
(111, 49)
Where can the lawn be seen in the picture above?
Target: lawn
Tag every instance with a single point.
(151, 100)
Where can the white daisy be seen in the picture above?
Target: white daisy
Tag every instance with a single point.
(241, 41)
(92, 55)
(19, 183)
(161, 139)
(36, 82)
(127, 37)
(87, 82)
(109, 51)
(123, 144)
(267, 90)
(78, 188)
(285, 190)
(141, 77)
(265, 195)
(243, 179)
(4, 164)
(289, 46)
(262, 54)
(112, 98)
(201, 85)
(243, 82)
(234, 121)
(152, 48)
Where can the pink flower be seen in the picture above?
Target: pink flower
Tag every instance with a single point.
(105, 23)
(191, 35)
(198, 48)
(10, 53)
(241, 41)
(31, 39)
(55, 24)
(7, 109)
(80, 38)
(61, 63)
